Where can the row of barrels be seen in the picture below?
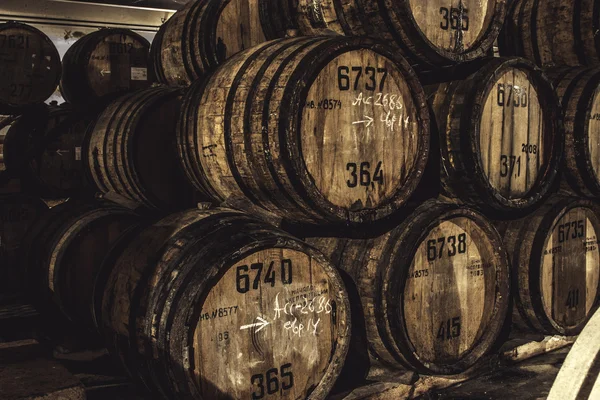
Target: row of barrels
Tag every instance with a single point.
(96, 68)
(205, 33)
(300, 130)
(213, 303)
(436, 34)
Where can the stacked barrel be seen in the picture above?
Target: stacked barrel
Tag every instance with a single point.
(41, 145)
(556, 271)
(311, 185)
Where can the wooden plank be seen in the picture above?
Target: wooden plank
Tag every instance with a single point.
(581, 366)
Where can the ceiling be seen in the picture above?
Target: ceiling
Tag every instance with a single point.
(165, 4)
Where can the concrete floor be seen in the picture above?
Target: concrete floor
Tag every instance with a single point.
(529, 380)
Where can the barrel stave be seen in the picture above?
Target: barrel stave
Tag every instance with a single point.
(199, 37)
(100, 153)
(127, 140)
(249, 105)
(577, 89)
(552, 33)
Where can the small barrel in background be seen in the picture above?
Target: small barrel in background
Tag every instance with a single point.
(130, 150)
(102, 65)
(434, 290)
(215, 304)
(202, 35)
(578, 89)
(44, 149)
(500, 128)
(434, 33)
(70, 242)
(17, 214)
(312, 129)
(30, 67)
(552, 32)
(555, 259)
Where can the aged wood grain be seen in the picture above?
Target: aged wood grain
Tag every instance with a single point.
(511, 135)
(500, 126)
(30, 66)
(556, 265)
(466, 281)
(131, 150)
(302, 322)
(201, 36)
(453, 25)
(552, 32)
(434, 291)
(226, 307)
(434, 33)
(357, 167)
(578, 90)
(238, 27)
(303, 128)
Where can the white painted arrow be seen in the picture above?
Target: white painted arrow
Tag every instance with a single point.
(368, 121)
(104, 72)
(61, 152)
(262, 323)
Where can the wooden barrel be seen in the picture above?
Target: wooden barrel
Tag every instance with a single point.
(500, 129)
(434, 32)
(578, 90)
(303, 128)
(203, 34)
(434, 290)
(555, 258)
(43, 148)
(553, 32)
(17, 214)
(214, 304)
(30, 67)
(130, 150)
(70, 243)
(104, 64)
